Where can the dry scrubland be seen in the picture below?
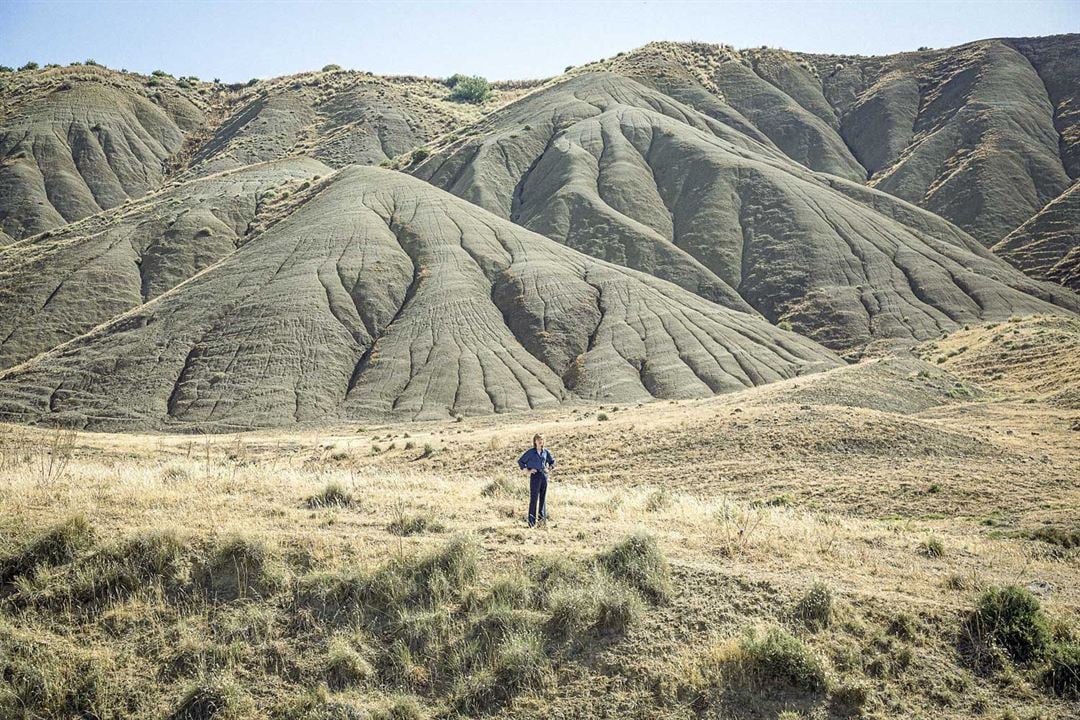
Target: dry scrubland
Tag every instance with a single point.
(815, 548)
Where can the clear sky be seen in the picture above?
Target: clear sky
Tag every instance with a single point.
(238, 40)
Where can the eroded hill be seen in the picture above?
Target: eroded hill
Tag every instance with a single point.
(380, 295)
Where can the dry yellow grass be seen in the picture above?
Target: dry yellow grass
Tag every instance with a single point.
(753, 498)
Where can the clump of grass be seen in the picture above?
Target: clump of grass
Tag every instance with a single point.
(638, 561)
(815, 608)
(345, 666)
(46, 679)
(403, 707)
(848, 697)
(154, 559)
(515, 590)
(1062, 674)
(659, 499)
(502, 486)
(932, 547)
(332, 495)
(240, 566)
(1067, 538)
(777, 656)
(211, 698)
(774, 657)
(407, 523)
(600, 604)
(59, 544)
(519, 662)
(903, 626)
(1011, 619)
(601, 417)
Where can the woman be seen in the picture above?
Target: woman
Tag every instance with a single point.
(535, 462)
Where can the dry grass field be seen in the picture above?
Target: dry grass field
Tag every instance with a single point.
(896, 538)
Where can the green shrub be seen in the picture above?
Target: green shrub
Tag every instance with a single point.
(779, 657)
(601, 417)
(638, 561)
(1062, 674)
(419, 155)
(815, 608)
(333, 495)
(473, 89)
(1011, 619)
(331, 67)
(6, 69)
(29, 66)
(160, 74)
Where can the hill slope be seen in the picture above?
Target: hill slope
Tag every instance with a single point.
(380, 295)
(607, 166)
(983, 134)
(73, 143)
(1048, 245)
(60, 284)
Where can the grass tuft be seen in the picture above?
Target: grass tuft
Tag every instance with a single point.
(638, 561)
(58, 545)
(815, 608)
(1062, 674)
(240, 566)
(333, 495)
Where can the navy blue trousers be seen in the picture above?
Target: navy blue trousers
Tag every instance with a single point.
(537, 496)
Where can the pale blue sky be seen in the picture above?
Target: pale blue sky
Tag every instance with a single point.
(238, 40)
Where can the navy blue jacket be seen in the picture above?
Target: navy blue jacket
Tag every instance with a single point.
(533, 460)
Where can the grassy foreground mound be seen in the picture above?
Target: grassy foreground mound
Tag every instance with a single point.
(234, 625)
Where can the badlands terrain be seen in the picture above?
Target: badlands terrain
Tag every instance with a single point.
(802, 331)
